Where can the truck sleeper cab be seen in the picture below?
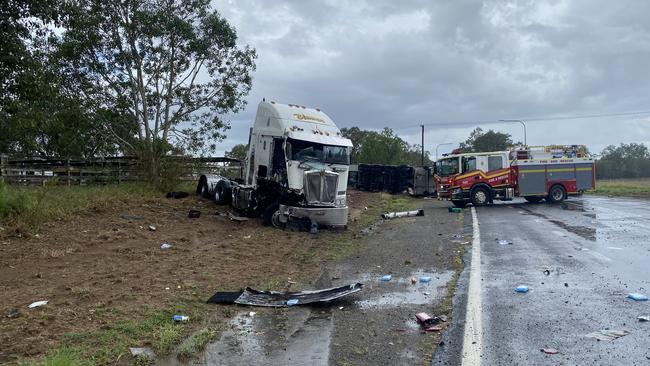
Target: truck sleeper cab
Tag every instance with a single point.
(296, 168)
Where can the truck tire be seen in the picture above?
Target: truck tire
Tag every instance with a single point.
(202, 188)
(223, 193)
(533, 199)
(556, 194)
(480, 196)
(459, 204)
(271, 214)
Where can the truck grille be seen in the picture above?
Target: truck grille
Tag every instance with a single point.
(320, 186)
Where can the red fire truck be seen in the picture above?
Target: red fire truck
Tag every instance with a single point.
(534, 173)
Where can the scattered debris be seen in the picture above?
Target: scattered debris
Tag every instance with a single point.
(246, 236)
(425, 279)
(340, 307)
(425, 293)
(313, 227)
(637, 296)
(237, 218)
(194, 214)
(644, 318)
(152, 227)
(504, 242)
(550, 351)
(180, 318)
(428, 323)
(251, 314)
(522, 289)
(455, 209)
(607, 335)
(177, 195)
(292, 302)
(37, 304)
(392, 215)
(547, 272)
(387, 278)
(13, 313)
(413, 280)
(279, 299)
(166, 246)
(132, 217)
(142, 352)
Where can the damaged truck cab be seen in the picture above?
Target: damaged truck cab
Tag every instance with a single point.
(296, 169)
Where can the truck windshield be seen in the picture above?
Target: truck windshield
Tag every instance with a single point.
(447, 167)
(311, 151)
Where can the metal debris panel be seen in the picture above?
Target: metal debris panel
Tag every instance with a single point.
(280, 299)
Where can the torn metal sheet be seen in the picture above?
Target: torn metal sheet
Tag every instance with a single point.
(281, 299)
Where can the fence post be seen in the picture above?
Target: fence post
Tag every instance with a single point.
(67, 168)
(3, 163)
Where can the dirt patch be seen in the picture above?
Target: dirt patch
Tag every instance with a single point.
(99, 268)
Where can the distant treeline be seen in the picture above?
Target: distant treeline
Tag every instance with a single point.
(624, 161)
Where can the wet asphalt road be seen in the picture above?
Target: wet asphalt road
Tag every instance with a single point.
(373, 327)
(596, 250)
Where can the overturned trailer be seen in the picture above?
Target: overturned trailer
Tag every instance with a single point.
(296, 169)
(416, 181)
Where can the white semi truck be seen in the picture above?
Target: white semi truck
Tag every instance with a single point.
(296, 169)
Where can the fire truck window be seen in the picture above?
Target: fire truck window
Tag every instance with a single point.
(469, 164)
(495, 162)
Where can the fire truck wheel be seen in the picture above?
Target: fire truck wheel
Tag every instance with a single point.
(459, 204)
(202, 189)
(533, 199)
(480, 196)
(556, 194)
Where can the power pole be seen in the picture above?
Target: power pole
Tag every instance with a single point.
(422, 144)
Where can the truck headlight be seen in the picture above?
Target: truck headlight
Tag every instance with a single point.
(340, 202)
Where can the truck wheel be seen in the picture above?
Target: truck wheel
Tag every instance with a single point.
(459, 204)
(556, 194)
(223, 193)
(271, 215)
(480, 196)
(202, 188)
(533, 199)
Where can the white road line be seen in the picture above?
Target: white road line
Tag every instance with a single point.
(473, 328)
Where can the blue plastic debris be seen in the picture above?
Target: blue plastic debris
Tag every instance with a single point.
(522, 289)
(387, 278)
(292, 302)
(637, 296)
(425, 279)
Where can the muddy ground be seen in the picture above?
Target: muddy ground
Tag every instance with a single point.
(99, 268)
(373, 327)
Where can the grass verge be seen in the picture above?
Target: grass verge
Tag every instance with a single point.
(345, 244)
(26, 208)
(623, 187)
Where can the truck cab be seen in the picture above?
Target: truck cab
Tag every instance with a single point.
(296, 168)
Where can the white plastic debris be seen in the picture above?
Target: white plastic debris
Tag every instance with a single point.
(37, 304)
(152, 227)
(252, 314)
(142, 352)
(165, 246)
(505, 242)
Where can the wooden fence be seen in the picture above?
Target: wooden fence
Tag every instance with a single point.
(107, 170)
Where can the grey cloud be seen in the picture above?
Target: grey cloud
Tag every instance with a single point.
(387, 63)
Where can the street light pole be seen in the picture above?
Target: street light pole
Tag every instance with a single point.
(422, 144)
(443, 144)
(517, 121)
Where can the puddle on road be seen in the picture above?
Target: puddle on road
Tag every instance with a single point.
(295, 336)
(401, 291)
(301, 335)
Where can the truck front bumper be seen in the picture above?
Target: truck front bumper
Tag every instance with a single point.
(324, 216)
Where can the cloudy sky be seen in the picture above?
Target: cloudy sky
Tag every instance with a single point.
(454, 65)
